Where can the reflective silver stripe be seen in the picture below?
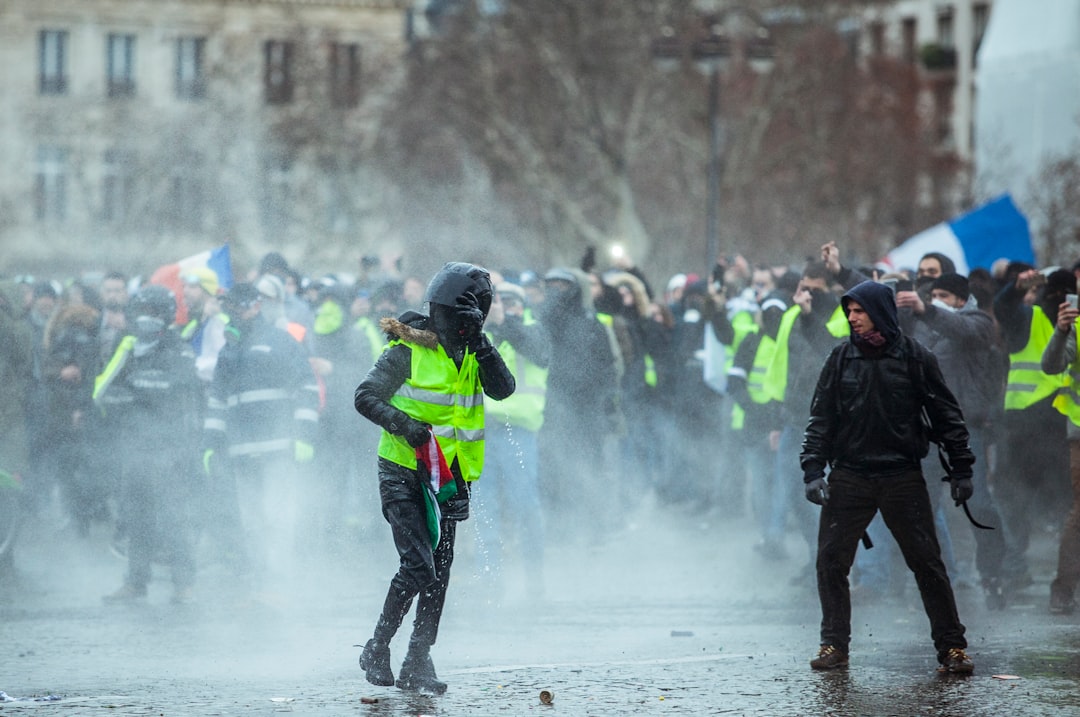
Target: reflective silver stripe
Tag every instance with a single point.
(771, 303)
(263, 394)
(461, 434)
(306, 414)
(1020, 387)
(244, 449)
(737, 372)
(216, 403)
(441, 399)
(1026, 366)
(214, 424)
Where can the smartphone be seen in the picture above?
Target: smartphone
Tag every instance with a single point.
(905, 285)
(1071, 299)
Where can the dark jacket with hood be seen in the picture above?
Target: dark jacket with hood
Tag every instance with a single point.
(866, 414)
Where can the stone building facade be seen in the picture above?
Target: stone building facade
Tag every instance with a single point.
(136, 132)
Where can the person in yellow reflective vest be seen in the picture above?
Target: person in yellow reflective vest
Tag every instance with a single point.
(808, 331)
(426, 392)
(1060, 357)
(746, 386)
(1031, 484)
(509, 495)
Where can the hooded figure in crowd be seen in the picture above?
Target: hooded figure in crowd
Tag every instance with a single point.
(426, 392)
(866, 423)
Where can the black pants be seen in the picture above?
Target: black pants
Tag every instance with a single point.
(905, 507)
(421, 570)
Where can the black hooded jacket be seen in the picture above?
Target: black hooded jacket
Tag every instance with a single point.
(866, 414)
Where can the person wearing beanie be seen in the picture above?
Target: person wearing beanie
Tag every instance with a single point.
(866, 426)
(1060, 358)
(931, 266)
(972, 359)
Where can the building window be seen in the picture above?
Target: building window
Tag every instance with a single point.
(278, 72)
(943, 106)
(877, 38)
(909, 33)
(117, 185)
(52, 62)
(120, 65)
(345, 74)
(50, 184)
(945, 36)
(190, 75)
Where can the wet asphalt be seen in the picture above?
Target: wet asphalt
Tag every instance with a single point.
(673, 614)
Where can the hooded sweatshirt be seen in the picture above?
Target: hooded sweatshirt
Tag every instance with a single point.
(866, 414)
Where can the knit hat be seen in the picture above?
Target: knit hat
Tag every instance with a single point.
(955, 284)
(514, 290)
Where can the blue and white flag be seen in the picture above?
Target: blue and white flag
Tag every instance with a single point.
(996, 230)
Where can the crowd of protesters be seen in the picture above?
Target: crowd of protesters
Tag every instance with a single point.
(694, 395)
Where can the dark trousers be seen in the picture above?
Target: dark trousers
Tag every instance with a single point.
(905, 507)
(422, 571)
(1068, 569)
(155, 516)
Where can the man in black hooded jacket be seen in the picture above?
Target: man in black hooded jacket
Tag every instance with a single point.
(866, 423)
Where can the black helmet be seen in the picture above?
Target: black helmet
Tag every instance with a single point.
(155, 301)
(455, 279)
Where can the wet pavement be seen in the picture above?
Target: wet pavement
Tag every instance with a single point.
(673, 615)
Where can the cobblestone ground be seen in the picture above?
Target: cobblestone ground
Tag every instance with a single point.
(674, 615)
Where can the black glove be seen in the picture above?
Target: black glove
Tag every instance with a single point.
(817, 491)
(470, 319)
(961, 489)
(417, 433)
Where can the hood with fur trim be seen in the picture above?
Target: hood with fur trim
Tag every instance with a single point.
(410, 327)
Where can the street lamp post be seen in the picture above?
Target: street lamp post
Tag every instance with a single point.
(737, 34)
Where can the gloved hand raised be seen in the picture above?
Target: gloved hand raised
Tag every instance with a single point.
(470, 319)
(961, 489)
(817, 491)
(417, 433)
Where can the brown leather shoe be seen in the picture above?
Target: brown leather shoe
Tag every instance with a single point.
(829, 658)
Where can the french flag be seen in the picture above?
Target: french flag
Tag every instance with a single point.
(169, 275)
(997, 230)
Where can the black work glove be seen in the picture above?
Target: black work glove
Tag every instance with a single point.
(417, 433)
(961, 489)
(470, 319)
(817, 491)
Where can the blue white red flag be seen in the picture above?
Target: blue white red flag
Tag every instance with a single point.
(997, 230)
(217, 260)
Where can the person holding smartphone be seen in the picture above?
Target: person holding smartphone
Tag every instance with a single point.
(1060, 357)
(1031, 483)
(967, 346)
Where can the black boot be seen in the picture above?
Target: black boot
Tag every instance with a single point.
(375, 662)
(418, 673)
